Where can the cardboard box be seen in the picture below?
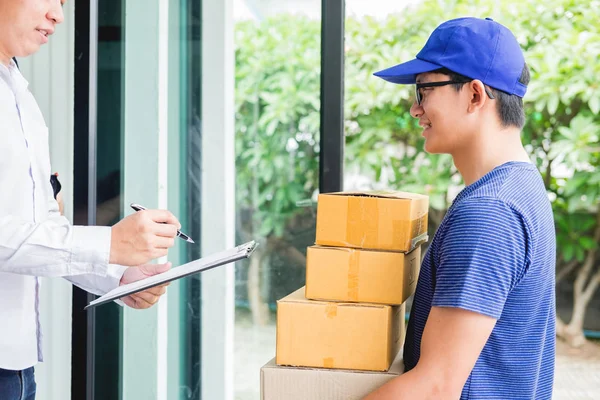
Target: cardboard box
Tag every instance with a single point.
(343, 274)
(300, 383)
(395, 221)
(324, 334)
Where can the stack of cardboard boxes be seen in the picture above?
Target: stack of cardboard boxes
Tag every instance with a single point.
(339, 336)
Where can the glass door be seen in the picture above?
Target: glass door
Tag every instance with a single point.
(139, 140)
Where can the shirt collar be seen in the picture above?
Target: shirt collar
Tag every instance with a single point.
(13, 76)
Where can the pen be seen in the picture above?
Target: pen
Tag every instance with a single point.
(182, 235)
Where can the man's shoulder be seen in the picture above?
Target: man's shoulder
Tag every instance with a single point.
(483, 208)
(516, 188)
(486, 218)
(506, 181)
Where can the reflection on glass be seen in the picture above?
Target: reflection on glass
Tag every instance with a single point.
(277, 133)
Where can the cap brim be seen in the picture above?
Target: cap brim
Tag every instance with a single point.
(406, 73)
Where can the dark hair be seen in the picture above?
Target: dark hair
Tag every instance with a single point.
(510, 106)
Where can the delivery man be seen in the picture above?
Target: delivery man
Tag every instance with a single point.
(482, 324)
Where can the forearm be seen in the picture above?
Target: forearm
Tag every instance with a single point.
(413, 385)
(452, 341)
(52, 247)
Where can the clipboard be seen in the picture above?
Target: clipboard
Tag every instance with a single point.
(202, 264)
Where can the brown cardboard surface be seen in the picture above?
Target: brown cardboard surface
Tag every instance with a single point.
(394, 221)
(344, 274)
(359, 336)
(301, 383)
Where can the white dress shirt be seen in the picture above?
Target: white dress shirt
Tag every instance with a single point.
(35, 240)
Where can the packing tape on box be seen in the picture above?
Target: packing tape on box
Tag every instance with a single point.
(356, 208)
(418, 240)
(353, 275)
(420, 225)
(368, 217)
(328, 362)
(331, 310)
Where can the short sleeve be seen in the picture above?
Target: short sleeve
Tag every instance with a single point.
(481, 258)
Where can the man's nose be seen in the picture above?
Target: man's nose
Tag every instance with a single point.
(416, 111)
(56, 13)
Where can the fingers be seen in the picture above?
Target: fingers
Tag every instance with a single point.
(156, 291)
(158, 253)
(135, 301)
(164, 216)
(149, 223)
(165, 230)
(130, 241)
(143, 236)
(161, 242)
(150, 296)
(129, 302)
(145, 299)
(153, 269)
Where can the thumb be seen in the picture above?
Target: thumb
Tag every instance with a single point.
(154, 269)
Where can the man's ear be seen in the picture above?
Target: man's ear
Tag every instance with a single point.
(477, 96)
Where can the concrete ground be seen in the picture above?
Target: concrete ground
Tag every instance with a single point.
(577, 375)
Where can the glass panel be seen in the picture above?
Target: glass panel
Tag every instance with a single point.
(107, 363)
(185, 162)
(120, 156)
(277, 146)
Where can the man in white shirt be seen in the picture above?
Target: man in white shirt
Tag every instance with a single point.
(35, 240)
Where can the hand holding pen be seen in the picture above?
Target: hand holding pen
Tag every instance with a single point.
(182, 235)
(143, 236)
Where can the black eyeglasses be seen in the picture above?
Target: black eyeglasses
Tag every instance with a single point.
(419, 96)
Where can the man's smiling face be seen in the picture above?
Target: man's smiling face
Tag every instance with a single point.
(27, 25)
(442, 114)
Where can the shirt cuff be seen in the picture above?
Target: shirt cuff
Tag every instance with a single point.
(114, 273)
(99, 285)
(91, 245)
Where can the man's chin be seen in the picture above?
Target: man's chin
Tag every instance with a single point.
(27, 51)
(436, 150)
(431, 148)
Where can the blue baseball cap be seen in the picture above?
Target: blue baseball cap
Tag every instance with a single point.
(476, 48)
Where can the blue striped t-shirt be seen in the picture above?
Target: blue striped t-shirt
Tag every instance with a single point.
(494, 253)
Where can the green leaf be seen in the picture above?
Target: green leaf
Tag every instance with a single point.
(579, 254)
(587, 243)
(568, 252)
(594, 104)
(574, 184)
(553, 103)
(587, 224)
(266, 227)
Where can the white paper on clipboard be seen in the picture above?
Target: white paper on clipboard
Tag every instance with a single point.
(202, 264)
